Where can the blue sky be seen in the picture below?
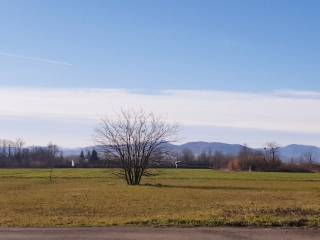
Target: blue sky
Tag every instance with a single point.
(225, 45)
(241, 47)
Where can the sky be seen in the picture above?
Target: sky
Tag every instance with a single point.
(229, 71)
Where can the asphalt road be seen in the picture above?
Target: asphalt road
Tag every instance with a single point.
(130, 233)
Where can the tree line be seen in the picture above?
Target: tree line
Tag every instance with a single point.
(266, 160)
(14, 154)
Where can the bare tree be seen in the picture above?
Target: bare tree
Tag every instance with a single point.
(53, 151)
(136, 140)
(273, 149)
(19, 143)
(272, 158)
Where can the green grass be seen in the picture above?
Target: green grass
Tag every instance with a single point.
(95, 197)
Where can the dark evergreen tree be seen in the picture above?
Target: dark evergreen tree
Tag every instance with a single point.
(82, 158)
(94, 157)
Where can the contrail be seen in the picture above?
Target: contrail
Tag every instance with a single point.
(44, 60)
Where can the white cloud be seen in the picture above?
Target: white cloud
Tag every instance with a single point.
(292, 112)
(68, 116)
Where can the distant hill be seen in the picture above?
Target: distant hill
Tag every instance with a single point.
(199, 147)
(296, 151)
(76, 151)
(293, 151)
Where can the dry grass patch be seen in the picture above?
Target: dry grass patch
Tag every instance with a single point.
(94, 197)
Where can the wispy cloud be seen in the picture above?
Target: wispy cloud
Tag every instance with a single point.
(297, 94)
(43, 60)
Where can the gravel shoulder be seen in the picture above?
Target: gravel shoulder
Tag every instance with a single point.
(135, 233)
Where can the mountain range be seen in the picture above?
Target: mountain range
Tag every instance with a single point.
(293, 151)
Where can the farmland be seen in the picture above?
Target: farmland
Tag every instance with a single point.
(169, 197)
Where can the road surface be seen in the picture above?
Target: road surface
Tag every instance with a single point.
(135, 233)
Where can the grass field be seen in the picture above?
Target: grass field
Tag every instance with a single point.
(95, 197)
